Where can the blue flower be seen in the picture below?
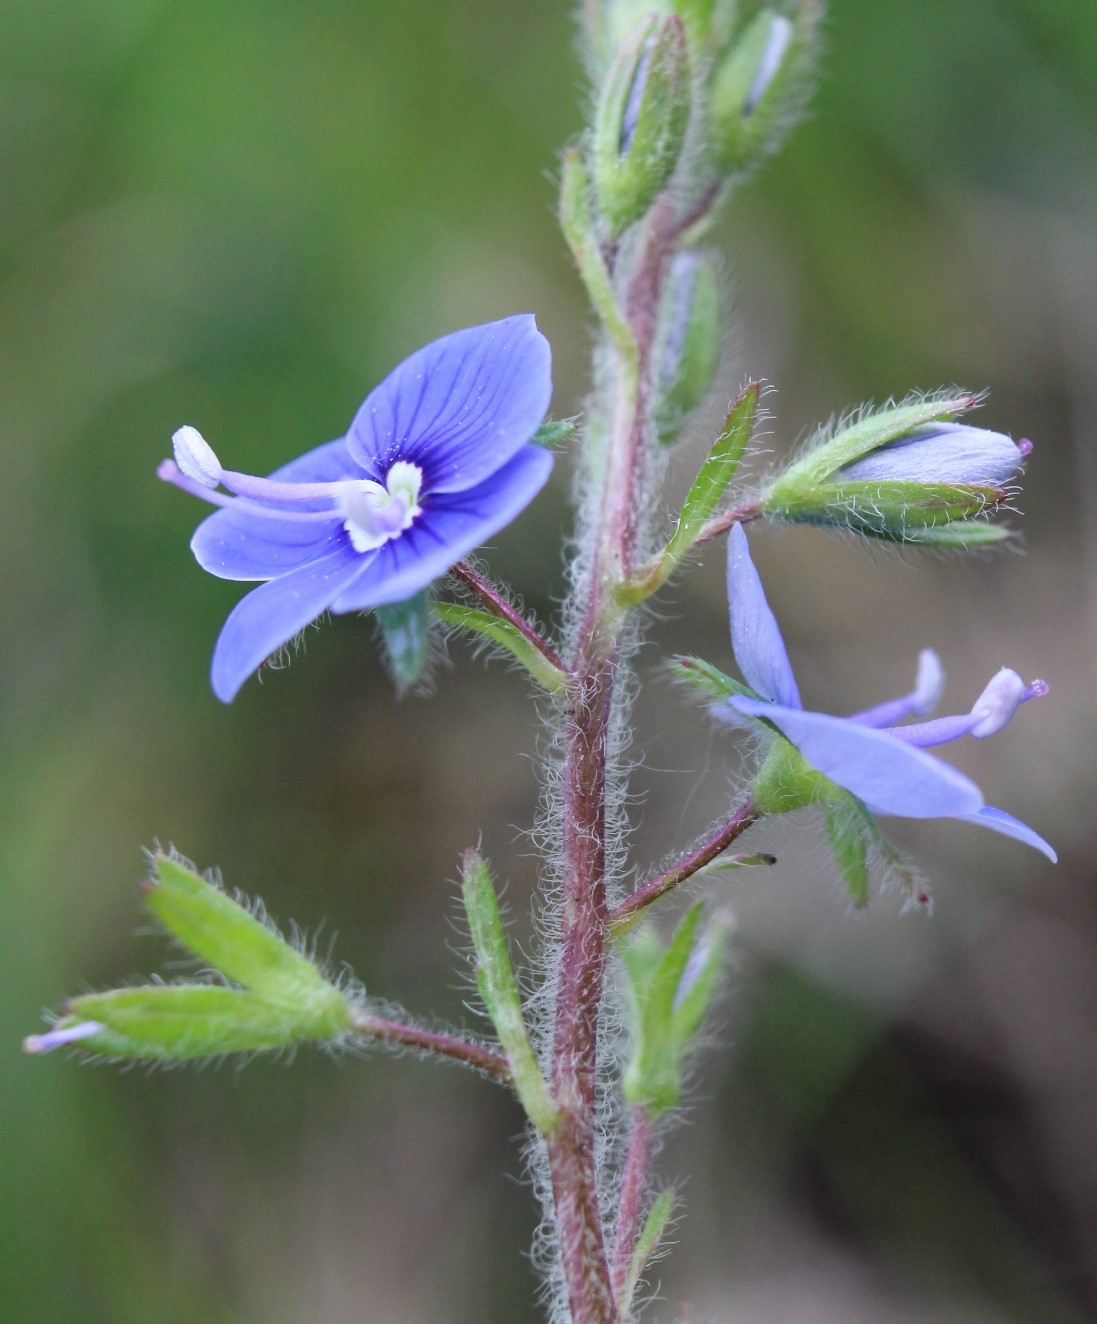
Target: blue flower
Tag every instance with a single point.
(942, 453)
(881, 763)
(437, 459)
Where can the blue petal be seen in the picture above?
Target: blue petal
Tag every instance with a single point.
(269, 616)
(890, 777)
(459, 408)
(999, 821)
(755, 635)
(236, 543)
(451, 525)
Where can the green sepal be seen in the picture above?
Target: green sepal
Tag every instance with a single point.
(405, 627)
(230, 939)
(963, 534)
(499, 991)
(786, 780)
(852, 443)
(742, 133)
(850, 848)
(897, 511)
(553, 431)
(655, 1226)
(179, 1022)
(710, 681)
(578, 227)
(688, 367)
(666, 1013)
(501, 632)
(704, 495)
(630, 175)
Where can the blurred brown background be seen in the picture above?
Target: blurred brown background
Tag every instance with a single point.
(241, 216)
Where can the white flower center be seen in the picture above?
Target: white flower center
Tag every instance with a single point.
(376, 513)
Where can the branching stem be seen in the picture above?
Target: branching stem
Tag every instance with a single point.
(497, 604)
(441, 1045)
(703, 853)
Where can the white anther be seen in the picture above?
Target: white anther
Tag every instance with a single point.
(195, 457)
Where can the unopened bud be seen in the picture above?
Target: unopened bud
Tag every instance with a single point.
(641, 124)
(759, 86)
(689, 333)
(905, 474)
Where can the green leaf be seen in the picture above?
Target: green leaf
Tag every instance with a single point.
(404, 629)
(655, 1226)
(499, 990)
(964, 534)
(898, 511)
(502, 632)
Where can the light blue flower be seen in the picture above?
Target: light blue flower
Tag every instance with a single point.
(883, 764)
(437, 459)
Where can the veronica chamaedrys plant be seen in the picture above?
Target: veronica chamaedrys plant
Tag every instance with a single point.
(596, 1038)
(437, 459)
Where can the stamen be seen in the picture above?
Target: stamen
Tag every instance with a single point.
(168, 472)
(195, 457)
(995, 707)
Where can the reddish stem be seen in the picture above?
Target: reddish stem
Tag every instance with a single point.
(631, 1206)
(497, 604)
(443, 1045)
(703, 853)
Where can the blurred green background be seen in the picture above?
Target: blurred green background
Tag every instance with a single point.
(241, 216)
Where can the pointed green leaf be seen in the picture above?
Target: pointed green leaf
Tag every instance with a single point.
(655, 1226)
(499, 990)
(502, 632)
(552, 432)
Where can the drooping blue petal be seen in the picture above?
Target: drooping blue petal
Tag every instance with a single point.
(889, 776)
(755, 635)
(238, 543)
(459, 408)
(451, 525)
(999, 821)
(269, 616)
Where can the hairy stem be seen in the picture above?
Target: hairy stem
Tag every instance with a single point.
(631, 1207)
(497, 604)
(703, 853)
(452, 1046)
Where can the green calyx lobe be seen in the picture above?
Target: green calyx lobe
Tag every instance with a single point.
(281, 998)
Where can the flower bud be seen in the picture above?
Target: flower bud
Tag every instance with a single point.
(181, 1022)
(641, 123)
(671, 990)
(905, 474)
(689, 340)
(760, 85)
